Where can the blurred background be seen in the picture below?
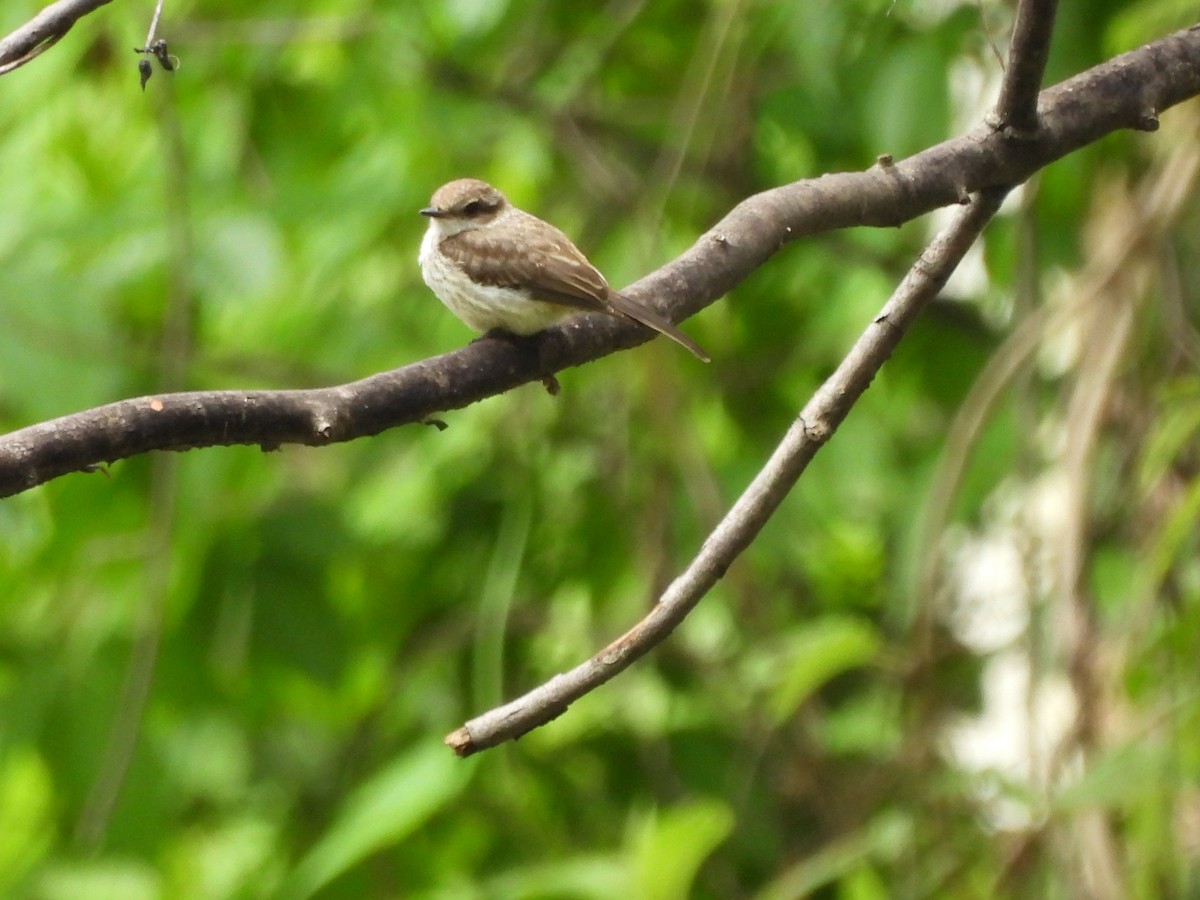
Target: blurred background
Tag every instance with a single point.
(960, 661)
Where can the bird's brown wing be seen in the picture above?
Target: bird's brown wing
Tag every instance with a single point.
(533, 255)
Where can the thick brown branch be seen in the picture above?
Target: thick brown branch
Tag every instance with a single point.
(816, 423)
(42, 31)
(1125, 92)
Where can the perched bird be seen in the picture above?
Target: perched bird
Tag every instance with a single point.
(499, 268)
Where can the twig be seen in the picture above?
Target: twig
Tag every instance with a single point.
(43, 31)
(157, 49)
(153, 24)
(1016, 109)
(1116, 94)
(987, 34)
(814, 426)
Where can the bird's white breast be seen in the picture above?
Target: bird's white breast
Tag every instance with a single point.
(482, 307)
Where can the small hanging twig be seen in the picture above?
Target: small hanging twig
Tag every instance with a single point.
(155, 48)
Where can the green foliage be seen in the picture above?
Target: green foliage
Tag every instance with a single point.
(813, 655)
(227, 673)
(380, 812)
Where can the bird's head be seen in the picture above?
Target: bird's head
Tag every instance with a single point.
(463, 205)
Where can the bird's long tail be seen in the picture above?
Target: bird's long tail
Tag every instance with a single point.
(651, 319)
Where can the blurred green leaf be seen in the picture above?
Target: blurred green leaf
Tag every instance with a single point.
(1117, 778)
(671, 845)
(382, 810)
(106, 879)
(883, 839)
(26, 814)
(808, 657)
(598, 877)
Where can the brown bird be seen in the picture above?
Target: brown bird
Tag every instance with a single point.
(498, 267)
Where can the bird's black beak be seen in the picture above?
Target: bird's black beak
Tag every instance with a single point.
(433, 212)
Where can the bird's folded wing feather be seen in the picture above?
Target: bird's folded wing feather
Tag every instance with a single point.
(535, 256)
(541, 260)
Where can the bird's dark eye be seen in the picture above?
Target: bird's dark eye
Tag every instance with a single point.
(474, 208)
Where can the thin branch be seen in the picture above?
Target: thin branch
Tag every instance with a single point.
(814, 426)
(153, 23)
(43, 31)
(1125, 92)
(1017, 106)
(152, 48)
(987, 34)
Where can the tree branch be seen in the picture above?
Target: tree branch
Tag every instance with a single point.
(1017, 106)
(815, 424)
(43, 31)
(1126, 92)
